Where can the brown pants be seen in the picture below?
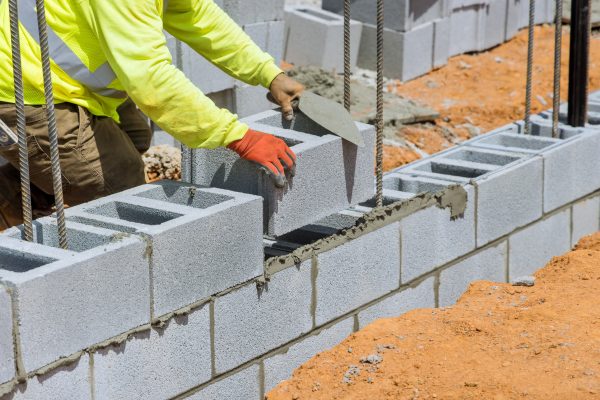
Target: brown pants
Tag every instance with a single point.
(98, 157)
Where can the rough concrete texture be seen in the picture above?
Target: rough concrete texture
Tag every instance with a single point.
(82, 298)
(71, 382)
(507, 139)
(186, 226)
(246, 12)
(544, 11)
(421, 296)
(495, 14)
(441, 42)
(508, 199)
(7, 354)
(250, 321)
(407, 55)
(488, 264)
(431, 239)
(158, 363)
(534, 246)
(243, 386)
(467, 29)
(281, 366)
(357, 272)
(316, 37)
(331, 174)
(400, 15)
(572, 170)
(586, 218)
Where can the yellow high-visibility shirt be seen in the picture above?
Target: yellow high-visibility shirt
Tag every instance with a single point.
(105, 50)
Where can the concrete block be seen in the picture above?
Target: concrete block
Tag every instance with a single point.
(495, 16)
(572, 170)
(251, 100)
(586, 218)
(245, 12)
(467, 29)
(511, 141)
(203, 240)
(422, 296)
(513, 19)
(242, 385)
(357, 272)
(158, 363)
(509, 198)
(441, 42)
(431, 239)
(269, 36)
(316, 37)
(541, 125)
(7, 353)
(544, 12)
(161, 137)
(407, 55)
(400, 15)
(71, 382)
(250, 322)
(488, 264)
(67, 301)
(280, 367)
(331, 174)
(533, 247)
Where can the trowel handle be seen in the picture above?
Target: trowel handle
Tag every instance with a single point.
(295, 103)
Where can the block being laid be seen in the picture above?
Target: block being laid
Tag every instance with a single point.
(331, 175)
(66, 301)
(316, 37)
(203, 240)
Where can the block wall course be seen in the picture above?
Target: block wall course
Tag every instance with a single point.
(467, 29)
(243, 385)
(421, 296)
(281, 366)
(441, 42)
(534, 246)
(357, 272)
(495, 23)
(250, 321)
(158, 363)
(245, 12)
(7, 353)
(488, 264)
(586, 218)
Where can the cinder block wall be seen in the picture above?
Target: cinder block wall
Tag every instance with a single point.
(170, 291)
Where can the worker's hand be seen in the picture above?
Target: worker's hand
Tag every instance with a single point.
(284, 90)
(267, 151)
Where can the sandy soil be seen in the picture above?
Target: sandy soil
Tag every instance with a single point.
(498, 342)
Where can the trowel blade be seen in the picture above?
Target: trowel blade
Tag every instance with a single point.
(331, 116)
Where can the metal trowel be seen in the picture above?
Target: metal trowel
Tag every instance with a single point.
(330, 115)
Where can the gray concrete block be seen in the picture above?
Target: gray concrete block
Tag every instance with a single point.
(533, 247)
(572, 170)
(7, 353)
(203, 240)
(245, 12)
(71, 382)
(269, 36)
(249, 322)
(467, 29)
(316, 37)
(488, 264)
(422, 296)
(400, 15)
(243, 386)
(441, 42)
(586, 218)
(357, 272)
(158, 363)
(431, 239)
(251, 100)
(281, 366)
(544, 12)
(331, 174)
(407, 55)
(161, 137)
(541, 125)
(495, 14)
(67, 301)
(508, 199)
(511, 141)
(513, 19)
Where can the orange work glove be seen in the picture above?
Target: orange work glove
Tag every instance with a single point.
(269, 152)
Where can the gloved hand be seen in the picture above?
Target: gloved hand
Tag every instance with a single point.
(283, 91)
(267, 151)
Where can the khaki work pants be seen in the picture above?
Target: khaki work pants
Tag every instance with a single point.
(98, 157)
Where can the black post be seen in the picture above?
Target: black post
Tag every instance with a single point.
(579, 61)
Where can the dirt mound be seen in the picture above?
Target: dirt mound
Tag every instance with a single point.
(499, 342)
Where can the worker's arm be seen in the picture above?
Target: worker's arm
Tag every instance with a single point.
(213, 34)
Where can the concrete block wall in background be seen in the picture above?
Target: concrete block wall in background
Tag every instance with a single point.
(7, 352)
(242, 385)
(467, 29)
(585, 218)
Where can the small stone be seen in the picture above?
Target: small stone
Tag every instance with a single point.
(370, 380)
(470, 384)
(524, 281)
(349, 349)
(464, 65)
(372, 359)
(499, 60)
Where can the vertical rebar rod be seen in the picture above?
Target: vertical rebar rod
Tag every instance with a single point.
(579, 61)
(557, 68)
(347, 71)
(21, 122)
(52, 129)
(529, 84)
(379, 118)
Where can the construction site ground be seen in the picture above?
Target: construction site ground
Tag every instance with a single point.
(498, 342)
